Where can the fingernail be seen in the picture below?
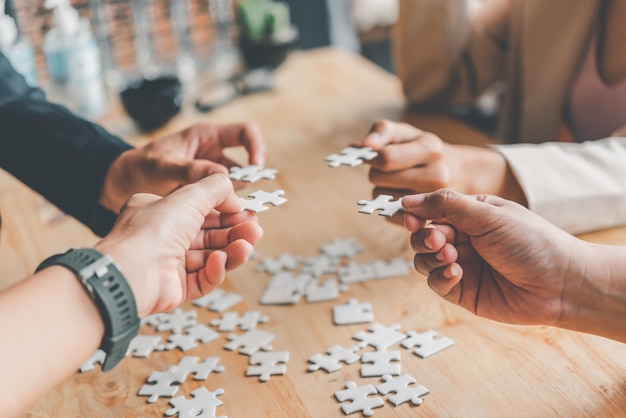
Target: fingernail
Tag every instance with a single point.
(428, 242)
(452, 271)
(413, 200)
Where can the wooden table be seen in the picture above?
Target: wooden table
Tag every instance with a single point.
(323, 100)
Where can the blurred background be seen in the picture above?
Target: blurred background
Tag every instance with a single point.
(186, 37)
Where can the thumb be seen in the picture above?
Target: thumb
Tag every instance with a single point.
(212, 192)
(473, 215)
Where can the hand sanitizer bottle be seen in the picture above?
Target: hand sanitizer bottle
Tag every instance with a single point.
(73, 62)
(16, 48)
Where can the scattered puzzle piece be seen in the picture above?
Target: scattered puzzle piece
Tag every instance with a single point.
(218, 300)
(356, 273)
(359, 397)
(380, 337)
(252, 173)
(284, 261)
(177, 320)
(250, 342)
(329, 290)
(353, 312)
(338, 248)
(268, 364)
(204, 404)
(98, 357)
(396, 267)
(231, 320)
(143, 345)
(383, 203)
(427, 343)
(318, 266)
(381, 363)
(201, 371)
(285, 289)
(334, 355)
(351, 156)
(260, 199)
(403, 390)
(162, 384)
(195, 333)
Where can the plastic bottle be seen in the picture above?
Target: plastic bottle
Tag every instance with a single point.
(73, 62)
(16, 48)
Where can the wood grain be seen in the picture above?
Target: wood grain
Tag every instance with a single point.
(324, 100)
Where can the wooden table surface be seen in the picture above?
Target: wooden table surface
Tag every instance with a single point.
(323, 100)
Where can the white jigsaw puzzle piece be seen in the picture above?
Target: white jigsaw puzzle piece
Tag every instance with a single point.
(264, 365)
(250, 342)
(396, 267)
(334, 355)
(403, 389)
(177, 320)
(98, 357)
(329, 290)
(352, 312)
(360, 400)
(162, 386)
(380, 337)
(252, 173)
(382, 363)
(356, 273)
(338, 248)
(426, 342)
(200, 370)
(218, 300)
(383, 203)
(143, 345)
(260, 199)
(204, 404)
(284, 261)
(351, 156)
(231, 320)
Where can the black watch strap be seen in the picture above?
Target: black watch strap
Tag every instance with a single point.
(111, 294)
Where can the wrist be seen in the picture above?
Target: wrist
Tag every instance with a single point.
(491, 174)
(594, 294)
(110, 196)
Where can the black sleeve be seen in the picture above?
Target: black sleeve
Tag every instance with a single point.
(54, 152)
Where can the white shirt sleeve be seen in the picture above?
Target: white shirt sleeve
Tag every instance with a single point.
(578, 187)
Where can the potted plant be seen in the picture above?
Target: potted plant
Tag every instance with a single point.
(266, 32)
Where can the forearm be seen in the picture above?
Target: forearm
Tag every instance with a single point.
(51, 326)
(577, 187)
(594, 297)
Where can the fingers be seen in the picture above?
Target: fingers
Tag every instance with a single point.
(213, 192)
(384, 132)
(247, 135)
(212, 273)
(471, 214)
(446, 282)
(220, 238)
(421, 150)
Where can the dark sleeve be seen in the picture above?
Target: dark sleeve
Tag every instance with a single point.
(54, 152)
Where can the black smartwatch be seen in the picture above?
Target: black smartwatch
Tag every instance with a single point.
(110, 292)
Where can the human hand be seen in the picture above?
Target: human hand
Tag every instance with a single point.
(178, 248)
(493, 257)
(178, 159)
(414, 161)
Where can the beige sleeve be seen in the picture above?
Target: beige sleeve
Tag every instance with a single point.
(578, 187)
(445, 54)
